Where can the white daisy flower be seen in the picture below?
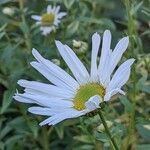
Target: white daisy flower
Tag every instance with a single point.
(50, 20)
(71, 97)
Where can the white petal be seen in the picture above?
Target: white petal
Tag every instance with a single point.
(46, 101)
(46, 111)
(108, 95)
(57, 9)
(40, 111)
(95, 48)
(62, 14)
(38, 23)
(22, 99)
(56, 71)
(40, 68)
(93, 103)
(46, 121)
(104, 75)
(35, 17)
(53, 9)
(105, 56)
(56, 22)
(46, 30)
(78, 69)
(51, 90)
(61, 116)
(118, 52)
(49, 9)
(121, 76)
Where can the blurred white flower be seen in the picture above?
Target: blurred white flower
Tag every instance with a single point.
(50, 20)
(71, 97)
(8, 11)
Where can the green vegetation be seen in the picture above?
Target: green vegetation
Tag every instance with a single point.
(128, 115)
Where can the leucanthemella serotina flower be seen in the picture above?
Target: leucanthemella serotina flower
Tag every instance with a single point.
(50, 20)
(71, 97)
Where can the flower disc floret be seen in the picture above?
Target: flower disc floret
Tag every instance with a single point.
(48, 19)
(85, 92)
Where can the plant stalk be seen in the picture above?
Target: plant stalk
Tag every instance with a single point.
(113, 142)
(27, 34)
(45, 140)
(131, 32)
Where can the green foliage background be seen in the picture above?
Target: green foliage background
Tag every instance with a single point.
(129, 114)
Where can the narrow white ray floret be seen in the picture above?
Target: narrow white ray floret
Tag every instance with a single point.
(50, 20)
(70, 97)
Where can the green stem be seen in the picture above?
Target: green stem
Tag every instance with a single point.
(113, 142)
(27, 33)
(45, 142)
(131, 31)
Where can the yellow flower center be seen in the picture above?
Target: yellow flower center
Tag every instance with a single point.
(48, 19)
(85, 92)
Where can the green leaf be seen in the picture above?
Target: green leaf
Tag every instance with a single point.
(3, 27)
(101, 137)
(83, 138)
(33, 127)
(136, 8)
(1, 35)
(6, 100)
(146, 89)
(60, 131)
(144, 132)
(72, 28)
(69, 3)
(5, 131)
(5, 1)
(11, 141)
(24, 27)
(2, 145)
(127, 104)
(143, 147)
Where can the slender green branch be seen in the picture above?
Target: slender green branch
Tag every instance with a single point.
(132, 31)
(45, 141)
(113, 142)
(26, 34)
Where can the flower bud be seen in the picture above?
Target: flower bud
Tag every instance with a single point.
(8, 11)
(80, 47)
(101, 128)
(56, 62)
(147, 126)
(143, 64)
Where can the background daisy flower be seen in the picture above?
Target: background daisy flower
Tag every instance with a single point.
(50, 20)
(69, 97)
